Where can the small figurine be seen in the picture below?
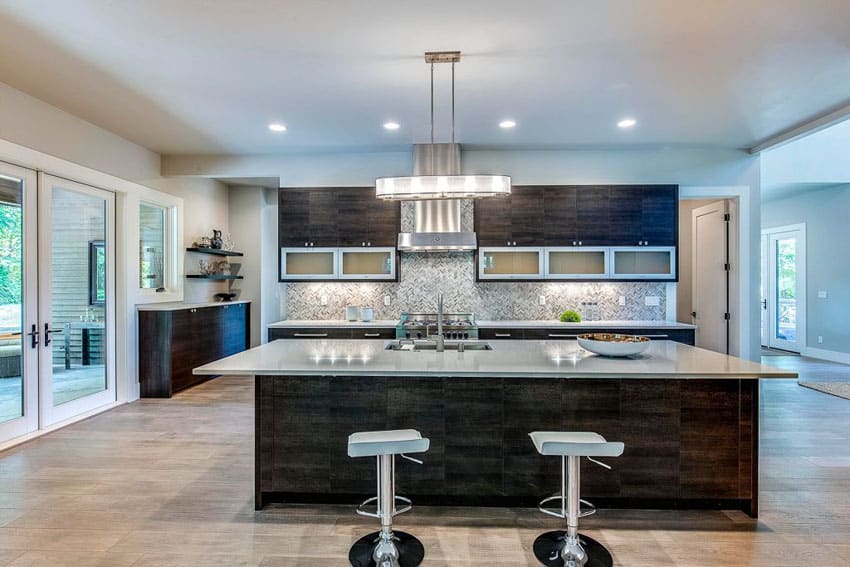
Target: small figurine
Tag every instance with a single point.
(216, 240)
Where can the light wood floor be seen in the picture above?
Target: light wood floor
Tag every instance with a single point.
(169, 483)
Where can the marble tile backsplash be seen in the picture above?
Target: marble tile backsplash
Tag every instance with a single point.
(424, 275)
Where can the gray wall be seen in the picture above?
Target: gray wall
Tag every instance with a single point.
(825, 213)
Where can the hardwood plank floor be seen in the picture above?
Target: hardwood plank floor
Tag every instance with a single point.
(170, 483)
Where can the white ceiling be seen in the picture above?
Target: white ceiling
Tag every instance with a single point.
(207, 76)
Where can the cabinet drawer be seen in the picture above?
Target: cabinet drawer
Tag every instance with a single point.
(308, 333)
(371, 333)
(332, 333)
(501, 334)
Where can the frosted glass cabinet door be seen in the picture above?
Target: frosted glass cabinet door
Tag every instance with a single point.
(576, 263)
(367, 263)
(508, 263)
(308, 263)
(644, 263)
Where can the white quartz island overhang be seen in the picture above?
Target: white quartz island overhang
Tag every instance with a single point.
(688, 418)
(515, 359)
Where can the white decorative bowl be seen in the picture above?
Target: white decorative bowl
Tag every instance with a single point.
(608, 344)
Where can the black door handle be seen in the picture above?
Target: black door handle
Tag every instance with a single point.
(47, 332)
(33, 335)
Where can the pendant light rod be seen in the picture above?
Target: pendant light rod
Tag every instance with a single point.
(453, 102)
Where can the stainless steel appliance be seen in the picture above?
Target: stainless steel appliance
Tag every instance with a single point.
(456, 326)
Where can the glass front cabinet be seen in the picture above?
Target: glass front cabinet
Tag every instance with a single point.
(510, 263)
(327, 264)
(309, 263)
(577, 263)
(367, 263)
(643, 263)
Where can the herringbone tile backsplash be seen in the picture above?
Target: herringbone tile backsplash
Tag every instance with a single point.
(424, 275)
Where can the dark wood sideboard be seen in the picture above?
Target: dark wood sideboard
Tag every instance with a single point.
(174, 341)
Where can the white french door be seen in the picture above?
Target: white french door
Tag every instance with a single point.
(76, 299)
(18, 302)
(784, 288)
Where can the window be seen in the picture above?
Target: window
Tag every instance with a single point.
(153, 229)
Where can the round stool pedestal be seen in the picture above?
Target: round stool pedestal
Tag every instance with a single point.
(547, 549)
(410, 550)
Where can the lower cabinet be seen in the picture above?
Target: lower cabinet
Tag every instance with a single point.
(175, 341)
(331, 333)
(686, 336)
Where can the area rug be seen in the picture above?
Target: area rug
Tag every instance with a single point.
(840, 389)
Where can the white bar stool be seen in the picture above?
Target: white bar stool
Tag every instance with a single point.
(569, 548)
(386, 548)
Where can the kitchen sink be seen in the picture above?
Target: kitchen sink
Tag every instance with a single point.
(431, 345)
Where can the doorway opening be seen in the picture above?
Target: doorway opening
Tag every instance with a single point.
(783, 288)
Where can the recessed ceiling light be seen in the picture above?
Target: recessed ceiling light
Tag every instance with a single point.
(626, 123)
(507, 124)
(277, 127)
(391, 125)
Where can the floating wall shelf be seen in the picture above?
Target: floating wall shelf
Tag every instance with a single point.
(214, 251)
(213, 277)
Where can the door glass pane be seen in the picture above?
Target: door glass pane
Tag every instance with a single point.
(580, 262)
(511, 263)
(366, 263)
(151, 246)
(79, 294)
(310, 263)
(655, 263)
(11, 299)
(786, 289)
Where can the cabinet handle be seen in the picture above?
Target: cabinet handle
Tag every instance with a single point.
(371, 334)
(559, 336)
(314, 335)
(514, 242)
(657, 336)
(503, 335)
(368, 244)
(579, 242)
(362, 244)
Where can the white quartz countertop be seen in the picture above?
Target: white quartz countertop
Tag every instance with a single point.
(509, 359)
(552, 323)
(330, 323)
(500, 324)
(177, 305)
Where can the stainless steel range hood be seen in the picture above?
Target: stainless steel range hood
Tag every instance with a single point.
(437, 222)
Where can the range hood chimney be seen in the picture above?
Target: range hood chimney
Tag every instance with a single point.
(437, 222)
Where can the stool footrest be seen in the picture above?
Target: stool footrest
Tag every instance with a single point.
(557, 513)
(396, 511)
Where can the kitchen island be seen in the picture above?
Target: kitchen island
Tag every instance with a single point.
(688, 418)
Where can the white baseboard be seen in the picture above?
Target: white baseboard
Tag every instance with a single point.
(831, 355)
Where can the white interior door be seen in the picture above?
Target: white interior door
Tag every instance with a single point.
(710, 293)
(76, 298)
(786, 287)
(18, 302)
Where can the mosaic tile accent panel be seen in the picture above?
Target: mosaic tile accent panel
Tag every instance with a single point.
(424, 275)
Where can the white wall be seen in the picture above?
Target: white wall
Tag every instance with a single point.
(818, 158)
(206, 208)
(827, 264)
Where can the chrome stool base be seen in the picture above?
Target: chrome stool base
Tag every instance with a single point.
(410, 550)
(547, 550)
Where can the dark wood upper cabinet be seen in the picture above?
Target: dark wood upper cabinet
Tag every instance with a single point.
(293, 217)
(559, 215)
(586, 215)
(336, 216)
(660, 215)
(592, 206)
(493, 221)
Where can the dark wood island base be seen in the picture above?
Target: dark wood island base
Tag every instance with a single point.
(690, 443)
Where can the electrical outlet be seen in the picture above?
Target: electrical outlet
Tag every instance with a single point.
(652, 301)
(387, 300)
(821, 294)
(622, 300)
(323, 300)
(820, 340)
(541, 300)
